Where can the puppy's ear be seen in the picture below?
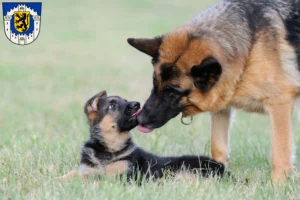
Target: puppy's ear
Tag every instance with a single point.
(91, 107)
(207, 74)
(147, 46)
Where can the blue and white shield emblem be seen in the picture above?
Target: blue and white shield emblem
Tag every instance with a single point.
(22, 21)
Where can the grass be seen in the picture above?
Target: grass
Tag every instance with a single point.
(81, 50)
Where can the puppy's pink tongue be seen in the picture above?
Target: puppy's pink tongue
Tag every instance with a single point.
(137, 113)
(143, 129)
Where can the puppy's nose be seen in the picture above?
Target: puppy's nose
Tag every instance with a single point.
(134, 105)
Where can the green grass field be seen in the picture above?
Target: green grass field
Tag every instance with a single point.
(81, 50)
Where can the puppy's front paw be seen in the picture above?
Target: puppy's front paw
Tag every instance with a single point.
(68, 176)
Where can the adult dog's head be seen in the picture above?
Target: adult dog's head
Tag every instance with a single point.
(188, 69)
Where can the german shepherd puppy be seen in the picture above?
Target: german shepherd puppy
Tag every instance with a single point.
(237, 54)
(111, 151)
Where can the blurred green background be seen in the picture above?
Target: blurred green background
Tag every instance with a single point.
(81, 50)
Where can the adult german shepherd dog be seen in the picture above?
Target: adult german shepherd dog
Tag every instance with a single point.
(237, 54)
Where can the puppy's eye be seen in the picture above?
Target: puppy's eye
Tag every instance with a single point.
(112, 107)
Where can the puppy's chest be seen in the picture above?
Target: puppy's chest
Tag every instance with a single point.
(106, 158)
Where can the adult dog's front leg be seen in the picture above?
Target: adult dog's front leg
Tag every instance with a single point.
(280, 118)
(220, 122)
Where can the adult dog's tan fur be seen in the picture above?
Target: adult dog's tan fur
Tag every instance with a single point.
(260, 72)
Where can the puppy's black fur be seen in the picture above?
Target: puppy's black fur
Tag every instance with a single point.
(110, 149)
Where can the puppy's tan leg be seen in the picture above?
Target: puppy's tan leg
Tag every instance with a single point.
(117, 168)
(68, 176)
(83, 172)
(220, 122)
(280, 118)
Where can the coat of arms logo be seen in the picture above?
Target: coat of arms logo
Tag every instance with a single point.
(22, 21)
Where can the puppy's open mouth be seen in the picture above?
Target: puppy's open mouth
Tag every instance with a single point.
(133, 120)
(140, 127)
(137, 113)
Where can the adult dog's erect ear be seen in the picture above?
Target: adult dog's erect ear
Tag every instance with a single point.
(147, 46)
(207, 74)
(91, 106)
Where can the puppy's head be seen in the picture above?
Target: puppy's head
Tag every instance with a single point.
(111, 114)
